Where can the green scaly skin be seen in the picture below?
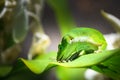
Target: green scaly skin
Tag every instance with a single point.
(80, 41)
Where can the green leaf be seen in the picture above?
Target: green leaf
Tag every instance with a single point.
(35, 67)
(114, 21)
(110, 67)
(40, 64)
(63, 15)
(20, 23)
(4, 70)
(64, 73)
(97, 61)
(46, 62)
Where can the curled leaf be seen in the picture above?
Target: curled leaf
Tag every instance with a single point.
(110, 67)
(47, 61)
(114, 21)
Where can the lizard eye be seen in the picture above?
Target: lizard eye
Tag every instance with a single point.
(70, 37)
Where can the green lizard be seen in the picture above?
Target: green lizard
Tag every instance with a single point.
(80, 41)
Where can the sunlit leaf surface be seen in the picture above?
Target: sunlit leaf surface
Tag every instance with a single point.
(41, 64)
